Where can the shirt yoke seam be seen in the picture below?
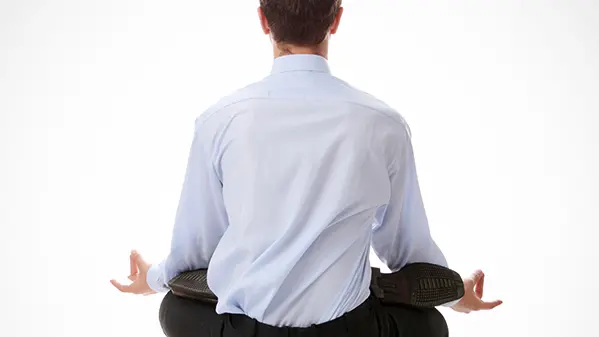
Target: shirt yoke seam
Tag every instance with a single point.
(203, 118)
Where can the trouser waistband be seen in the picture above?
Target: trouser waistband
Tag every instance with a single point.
(354, 323)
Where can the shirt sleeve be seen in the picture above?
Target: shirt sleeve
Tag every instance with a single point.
(401, 233)
(200, 221)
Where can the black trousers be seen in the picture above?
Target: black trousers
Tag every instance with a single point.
(180, 317)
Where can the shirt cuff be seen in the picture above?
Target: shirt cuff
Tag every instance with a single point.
(155, 279)
(452, 303)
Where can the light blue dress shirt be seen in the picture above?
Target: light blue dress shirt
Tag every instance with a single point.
(289, 183)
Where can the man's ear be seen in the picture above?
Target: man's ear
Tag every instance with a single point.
(337, 21)
(263, 21)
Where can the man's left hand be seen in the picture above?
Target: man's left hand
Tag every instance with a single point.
(139, 272)
(473, 295)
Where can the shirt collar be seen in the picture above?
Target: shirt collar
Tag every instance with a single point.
(303, 62)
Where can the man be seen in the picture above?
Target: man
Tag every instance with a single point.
(289, 183)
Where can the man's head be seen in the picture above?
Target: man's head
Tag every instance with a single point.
(300, 26)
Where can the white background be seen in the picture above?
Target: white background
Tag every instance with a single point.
(98, 99)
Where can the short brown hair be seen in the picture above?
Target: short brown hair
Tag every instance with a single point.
(300, 22)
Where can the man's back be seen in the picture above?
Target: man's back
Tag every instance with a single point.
(304, 161)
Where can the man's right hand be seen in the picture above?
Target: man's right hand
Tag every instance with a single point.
(473, 294)
(137, 275)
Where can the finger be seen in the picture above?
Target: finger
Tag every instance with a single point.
(132, 265)
(479, 287)
(121, 287)
(140, 263)
(477, 275)
(489, 305)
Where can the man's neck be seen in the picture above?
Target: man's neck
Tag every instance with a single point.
(287, 49)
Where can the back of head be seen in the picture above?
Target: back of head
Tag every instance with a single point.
(300, 22)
